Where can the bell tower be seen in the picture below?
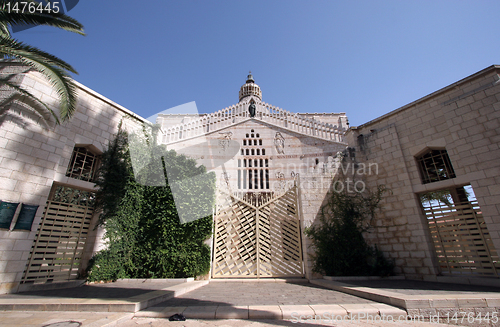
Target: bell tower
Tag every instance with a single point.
(250, 89)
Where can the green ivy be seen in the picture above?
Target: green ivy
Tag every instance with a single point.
(339, 245)
(144, 236)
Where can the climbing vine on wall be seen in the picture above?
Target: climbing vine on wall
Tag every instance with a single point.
(339, 246)
(143, 234)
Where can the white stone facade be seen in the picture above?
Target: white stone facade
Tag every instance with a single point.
(463, 118)
(33, 159)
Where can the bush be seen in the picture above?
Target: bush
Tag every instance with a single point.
(339, 245)
(143, 234)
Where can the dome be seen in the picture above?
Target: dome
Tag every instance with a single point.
(250, 88)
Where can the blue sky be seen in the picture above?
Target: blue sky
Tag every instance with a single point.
(364, 58)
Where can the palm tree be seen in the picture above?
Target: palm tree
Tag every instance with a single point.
(54, 69)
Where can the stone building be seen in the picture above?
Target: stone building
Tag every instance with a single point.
(46, 173)
(444, 143)
(274, 169)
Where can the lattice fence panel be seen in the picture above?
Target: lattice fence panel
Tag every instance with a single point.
(461, 239)
(60, 242)
(235, 242)
(280, 247)
(257, 239)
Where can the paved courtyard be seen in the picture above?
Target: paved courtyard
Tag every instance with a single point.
(250, 303)
(262, 293)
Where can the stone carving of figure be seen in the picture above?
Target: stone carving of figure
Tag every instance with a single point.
(224, 142)
(279, 143)
(251, 109)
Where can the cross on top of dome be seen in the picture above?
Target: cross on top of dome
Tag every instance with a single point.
(250, 78)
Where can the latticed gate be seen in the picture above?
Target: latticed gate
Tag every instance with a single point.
(62, 234)
(462, 242)
(258, 235)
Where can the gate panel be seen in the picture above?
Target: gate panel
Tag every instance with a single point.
(60, 243)
(258, 239)
(461, 239)
(235, 242)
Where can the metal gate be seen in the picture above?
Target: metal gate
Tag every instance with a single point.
(257, 235)
(62, 234)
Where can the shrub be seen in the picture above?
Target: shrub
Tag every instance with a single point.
(339, 246)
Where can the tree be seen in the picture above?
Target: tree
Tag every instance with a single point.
(54, 69)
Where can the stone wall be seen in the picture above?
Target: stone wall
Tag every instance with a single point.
(311, 157)
(464, 119)
(34, 157)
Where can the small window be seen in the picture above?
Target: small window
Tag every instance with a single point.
(435, 165)
(258, 152)
(247, 135)
(260, 142)
(83, 164)
(263, 152)
(244, 142)
(254, 142)
(257, 135)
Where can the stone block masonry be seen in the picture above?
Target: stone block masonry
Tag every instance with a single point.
(462, 119)
(34, 158)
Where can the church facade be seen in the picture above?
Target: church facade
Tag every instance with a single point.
(439, 156)
(273, 168)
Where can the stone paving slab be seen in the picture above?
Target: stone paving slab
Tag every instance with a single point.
(418, 287)
(100, 319)
(262, 293)
(446, 297)
(280, 312)
(232, 299)
(291, 311)
(122, 296)
(264, 312)
(36, 318)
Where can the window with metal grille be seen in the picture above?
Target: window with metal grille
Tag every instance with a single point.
(83, 164)
(435, 165)
(253, 172)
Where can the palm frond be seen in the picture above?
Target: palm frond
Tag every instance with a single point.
(25, 107)
(13, 48)
(21, 94)
(53, 68)
(58, 20)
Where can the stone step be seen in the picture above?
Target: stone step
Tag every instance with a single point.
(295, 313)
(19, 302)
